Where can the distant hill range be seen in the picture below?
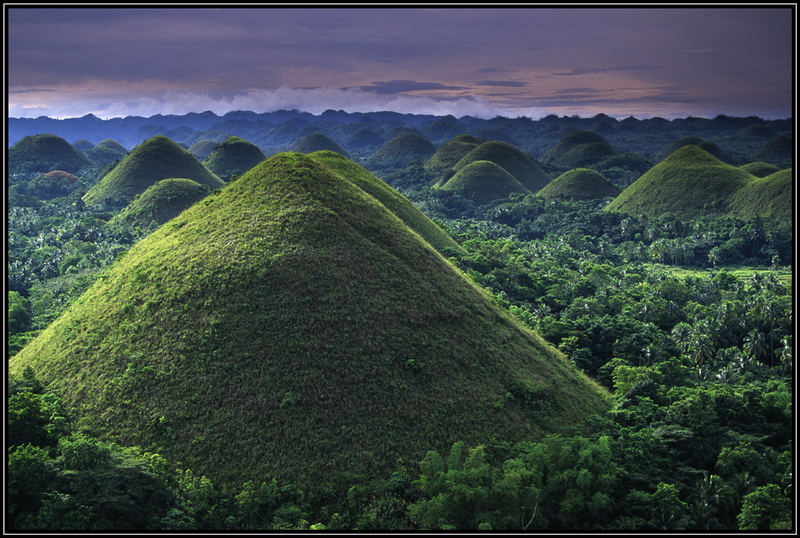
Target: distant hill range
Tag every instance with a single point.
(742, 139)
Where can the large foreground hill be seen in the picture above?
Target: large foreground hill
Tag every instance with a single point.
(291, 326)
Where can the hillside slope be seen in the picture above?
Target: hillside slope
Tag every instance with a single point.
(290, 326)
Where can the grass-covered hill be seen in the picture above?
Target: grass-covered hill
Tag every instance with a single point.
(42, 153)
(106, 152)
(523, 168)
(153, 160)
(689, 183)
(760, 168)
(449, 153)
(53, 184)
(579, 184)
(386, 195)
(202, 148)
(83, 145)
(317, 142)
(778, 150)
(577, 149)
(483, 182)
(707, 145)
(233, 157)
(161, 202)
(769, 197)
(290, 326)
(402, 149)
(364, 140)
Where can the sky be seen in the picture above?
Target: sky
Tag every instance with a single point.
(478, 61)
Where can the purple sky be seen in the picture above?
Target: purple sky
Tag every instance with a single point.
(668, 62)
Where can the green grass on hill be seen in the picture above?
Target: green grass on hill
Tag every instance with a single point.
(449, 153)
(578, 148)
(760, 168)
(769, 197)
(233, 157)
(44, 152)
(202, 149)
(317, 142)
(579, 184)
(689, 183)
(161, 202)
(522, 167)
(389, 197)
(153, 160)
(483, 182)
(402, 149)
(290, 326)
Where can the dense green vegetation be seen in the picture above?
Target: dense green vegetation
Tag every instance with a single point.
(401, 150)
(106, 152)
(156, 159)
(318, 321)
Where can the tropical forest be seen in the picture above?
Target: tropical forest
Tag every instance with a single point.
(386, 321)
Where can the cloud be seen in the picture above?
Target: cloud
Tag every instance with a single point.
(608, 69)
(314, 100)
(508, 83)
(401, 86)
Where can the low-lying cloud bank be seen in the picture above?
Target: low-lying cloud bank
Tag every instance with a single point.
(64, 104)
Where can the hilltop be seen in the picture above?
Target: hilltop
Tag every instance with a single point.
(522, 167)
(689, 183)
(403, 148)
(578, 148)
(449, 153)
(161, 202)
(579, 184)
(106, 152)
(317, 142)
(760, 168)
(389, 197)
(233, 157)
(483, 182)
(289, 326)
(706, 145)
(769, 197)
(155, 159)
(44, 152)
(202, 149)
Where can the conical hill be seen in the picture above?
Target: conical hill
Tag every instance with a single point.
(233, 157)
(769, 197)
(760, 168)
(154, 159)
(44, 152)
(449, 153)
(389, 197)
(107, 152)
(689, 183)
(522, 167)
(290, 326)
(161, 202)
(402, 149)
(202, 149)
(317, 142)
(579, 184)
(483, 182)
(579, 148)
